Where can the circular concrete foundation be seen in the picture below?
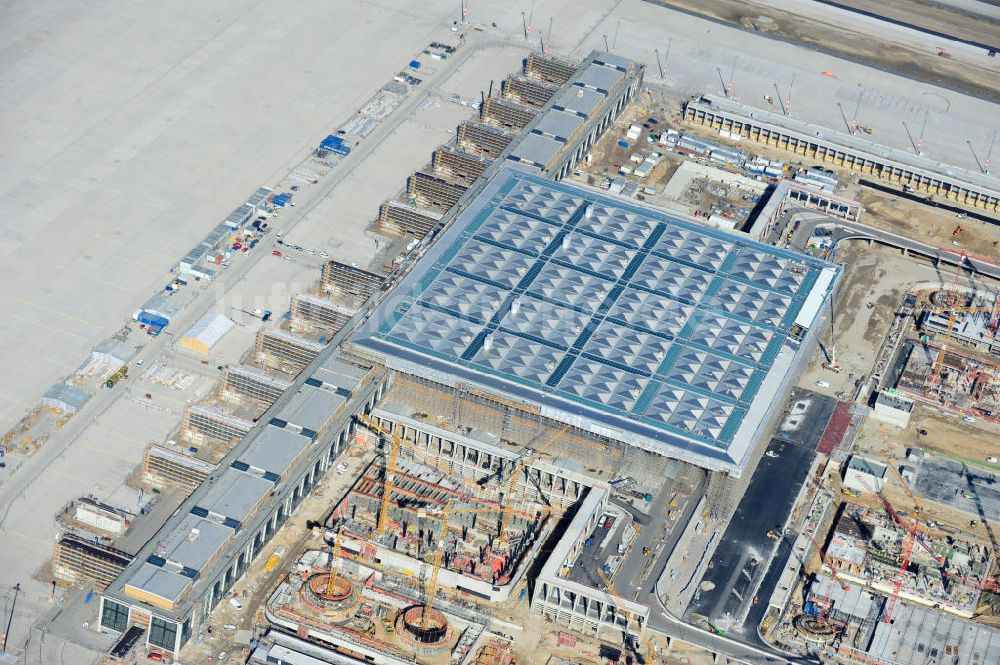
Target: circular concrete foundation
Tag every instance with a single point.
(330, 595)
(428, 635)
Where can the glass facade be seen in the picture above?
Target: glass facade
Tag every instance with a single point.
(163, 634)
(114, 616)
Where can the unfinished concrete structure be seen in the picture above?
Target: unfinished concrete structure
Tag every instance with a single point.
(527, 90)
(483, 139)
(240, 382)
(452, 162)
(507, 114)
(163, 467)
(204, 423)
(340, 278)
(400, 218)
(319, 313)
(80, 561)
(277, 348)
(431, 190)
(896, 166)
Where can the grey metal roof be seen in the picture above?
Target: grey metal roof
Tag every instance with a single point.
(274, 450)
(165, 305)
(923, 636)
(600, 77)
(259, 197)
(578, 100)
(536, 149)
(116, 349)
(195, 542)
(69, 395)
(235, 494)
(312, 407)
(639, 325)
(612, 60)
(158, 581)
(338, 373)
(558, 123)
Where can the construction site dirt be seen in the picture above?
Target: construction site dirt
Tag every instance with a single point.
(930, 225)
(844, 40)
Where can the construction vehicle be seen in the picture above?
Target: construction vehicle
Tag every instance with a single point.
(120, 374)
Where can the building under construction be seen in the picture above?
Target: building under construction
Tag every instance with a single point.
(483, 139)
(207, 423)
(246, 383)
(431, 190)
(869, 547)
(164, 467)
(80, 561)
(455, 163)
(279, 349)
(507, 326)
(349, 605)
(507, 114)
(319, 313)
(949, 378)
(399, 218)
(342, 279)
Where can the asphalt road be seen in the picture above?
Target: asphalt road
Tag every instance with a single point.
(853, 231)
(744, 553)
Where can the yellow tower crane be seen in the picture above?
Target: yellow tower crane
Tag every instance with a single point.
(335, 554)
(520, 464)
(392, 457)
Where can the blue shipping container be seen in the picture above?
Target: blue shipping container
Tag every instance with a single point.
(281, 200)
(414, 64)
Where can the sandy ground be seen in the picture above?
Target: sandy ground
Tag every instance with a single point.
(930, 225)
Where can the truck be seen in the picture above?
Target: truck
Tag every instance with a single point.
(272, 561)
(120, 374)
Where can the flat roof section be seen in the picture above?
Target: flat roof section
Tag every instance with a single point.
(236, 494)
(559, 124)
(600, 77)
(616, 318)
(195, 542)
(578, 100)
(156, 586)
(536, 150)
(312, 407)
(274, 450)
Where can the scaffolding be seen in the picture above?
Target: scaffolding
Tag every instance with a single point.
(340, 277)
(506, 114)
(548, 68)
(207, 422)
(319, 313)
(277, 348)
(396, 217)
(80, 561)
(252, 384)
(450, 161)
(165, 467)
(529, 91)
(432, 190)
(484, 139)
